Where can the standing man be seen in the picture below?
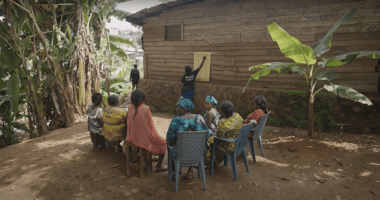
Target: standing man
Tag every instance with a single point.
(134, 77)
(188, 80)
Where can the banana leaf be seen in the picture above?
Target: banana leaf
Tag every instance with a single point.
(2, 84)
(291, 46)
(120, 40)
(267, 68)
(326, 76)
(13, 89)
(119, 52)
(324, 44)
(348, 58)
(348, 93)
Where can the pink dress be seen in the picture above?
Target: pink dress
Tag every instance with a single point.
(141, 131)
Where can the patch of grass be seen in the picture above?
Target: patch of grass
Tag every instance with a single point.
(275, 121)
(268, 131)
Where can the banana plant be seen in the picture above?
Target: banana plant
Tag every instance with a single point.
(307, 63)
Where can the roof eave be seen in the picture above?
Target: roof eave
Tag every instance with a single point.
(137, 18)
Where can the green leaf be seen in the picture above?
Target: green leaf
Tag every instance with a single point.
(48, 81)
(119, 52)
(13, 89)
(86, 18)
(348, 93)
(2, 84)
(278, 67)
(120, 40)
(291, 46)
(326, 75)
(324, 44)
(348, 58)
(71, 48)
(69, 70)
(5, 98)
(68, 29)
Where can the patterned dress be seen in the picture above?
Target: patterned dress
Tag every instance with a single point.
(179, 124)
(215, 121)
(114, 125)
(229, 128)
(95, 119)
(95, 124)
(141, 131)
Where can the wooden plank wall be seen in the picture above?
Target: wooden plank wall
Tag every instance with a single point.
(236, 32)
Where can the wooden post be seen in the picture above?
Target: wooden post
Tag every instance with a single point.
(145, 66)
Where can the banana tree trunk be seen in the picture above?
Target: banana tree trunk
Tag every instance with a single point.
(88, 83)
(310, 112)
(81, 83)
(39, 111)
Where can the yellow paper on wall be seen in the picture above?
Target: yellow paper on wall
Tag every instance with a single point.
(204, 74)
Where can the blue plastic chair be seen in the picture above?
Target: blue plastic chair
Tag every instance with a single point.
(240, 143)
(190, 149)
(257, 136)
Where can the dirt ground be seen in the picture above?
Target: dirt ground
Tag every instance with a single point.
(63, 165)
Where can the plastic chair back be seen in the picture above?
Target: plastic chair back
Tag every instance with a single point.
(260, 127)
(241, 140)
(191, 147)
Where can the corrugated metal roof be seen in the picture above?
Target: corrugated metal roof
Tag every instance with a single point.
(136, 18)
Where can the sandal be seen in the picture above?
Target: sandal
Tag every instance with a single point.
(190, 175)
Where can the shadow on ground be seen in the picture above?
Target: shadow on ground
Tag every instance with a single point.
(63, 165)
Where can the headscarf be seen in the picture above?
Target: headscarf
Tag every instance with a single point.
(185, 104)
(212, 100)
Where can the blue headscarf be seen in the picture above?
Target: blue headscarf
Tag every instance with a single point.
(212, 100)
(187, 104)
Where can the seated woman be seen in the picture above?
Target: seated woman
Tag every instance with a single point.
(141, 131)
(114, 123)
(212, 115)
(261, 103)
(95, 120)
(185, 122)
(229, 126)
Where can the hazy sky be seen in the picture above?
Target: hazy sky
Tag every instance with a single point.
(132, 7)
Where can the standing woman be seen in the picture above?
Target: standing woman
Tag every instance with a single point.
(188, 80)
